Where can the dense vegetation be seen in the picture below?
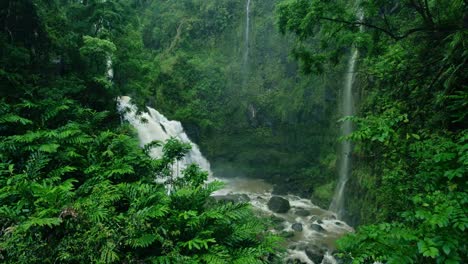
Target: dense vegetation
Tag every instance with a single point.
(257, 116)
(409, 183)
(75, 187)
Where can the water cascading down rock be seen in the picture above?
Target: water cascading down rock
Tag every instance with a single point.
(337, 204)
(152, 126)
(247, 35)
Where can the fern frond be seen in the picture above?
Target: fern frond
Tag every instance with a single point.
(143, 241)
(41, 222)
(14, 119)
(49, 148)
(108, 253)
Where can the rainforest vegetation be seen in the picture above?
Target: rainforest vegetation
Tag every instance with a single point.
(77, 187)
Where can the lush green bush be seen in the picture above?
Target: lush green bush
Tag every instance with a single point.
(75, 186)
(409, 180)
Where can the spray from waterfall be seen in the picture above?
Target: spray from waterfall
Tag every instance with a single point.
(337, 204)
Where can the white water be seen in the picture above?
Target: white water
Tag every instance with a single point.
(337, 204)
(309, 239)
(152, 125)
(110, 69)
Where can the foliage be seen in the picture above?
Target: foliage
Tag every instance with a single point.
(408, 185)
(75, 187)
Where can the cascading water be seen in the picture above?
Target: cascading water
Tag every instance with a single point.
(337, 204)
(110, 69)
(311, 230)
(247, 35)
(153, 126)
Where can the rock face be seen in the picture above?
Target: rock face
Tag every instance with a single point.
(317, 228)
(297, 227)
(279, 205)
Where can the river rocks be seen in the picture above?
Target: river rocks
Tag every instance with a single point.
(278, 205)
(233, 198)
(314, 255)
(314, 218)
(277, 222)
(319, 222)
(297, 227)
(338, 223)
(287, 234)
(302, 212)
(317, 228)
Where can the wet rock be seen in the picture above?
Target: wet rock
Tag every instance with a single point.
(338, 223)
(315, 255)
(277, 222)
(317, 228)
(314, 218)
(297, 227)
(302, 212)
(278, 205)
(287, 234)
(233, 198)
(319, 222)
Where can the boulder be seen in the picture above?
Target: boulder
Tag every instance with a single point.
(319, 222)
(317, 228)
(297, 227)
(302, 212)
(278, 205)
(314, 255)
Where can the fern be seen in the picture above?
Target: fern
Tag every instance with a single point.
(143, 241)
(14, 119)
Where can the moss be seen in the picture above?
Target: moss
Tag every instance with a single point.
(323, 194)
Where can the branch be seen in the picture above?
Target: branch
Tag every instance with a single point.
(390, 33)
(386, 31)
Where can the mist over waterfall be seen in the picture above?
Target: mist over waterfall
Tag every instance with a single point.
(152, 126)
(337, 204)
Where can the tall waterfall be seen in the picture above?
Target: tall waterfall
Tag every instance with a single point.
(152, 125)
(337, 204)
(247, 35)
(346, 128)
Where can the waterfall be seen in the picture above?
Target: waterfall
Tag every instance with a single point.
(246, 38)
(346, 128)
(152, 125)
(109, 68)
(337, 204)
(318, 227)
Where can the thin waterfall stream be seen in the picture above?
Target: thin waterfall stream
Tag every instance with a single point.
(337, 204)
(345, 165)
(247, 36)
